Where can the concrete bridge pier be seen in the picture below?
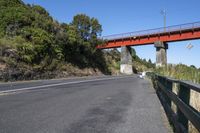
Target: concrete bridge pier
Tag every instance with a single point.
(161, 53)
(126, 60)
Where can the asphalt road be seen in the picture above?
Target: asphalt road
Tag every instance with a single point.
(94, 105)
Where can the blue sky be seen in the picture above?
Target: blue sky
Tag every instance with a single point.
(119, 16)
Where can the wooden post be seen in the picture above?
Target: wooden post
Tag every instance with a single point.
(169, 85)
(184, 95)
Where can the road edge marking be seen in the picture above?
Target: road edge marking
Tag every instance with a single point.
(59, 84)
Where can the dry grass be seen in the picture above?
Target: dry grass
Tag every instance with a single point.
(194, 102)
(183, 72)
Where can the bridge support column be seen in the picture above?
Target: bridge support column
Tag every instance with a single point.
(161, 53)
(126, 60)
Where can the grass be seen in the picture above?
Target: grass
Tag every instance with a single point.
(183, 72)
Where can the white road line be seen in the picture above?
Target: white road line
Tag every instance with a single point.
(59, 84)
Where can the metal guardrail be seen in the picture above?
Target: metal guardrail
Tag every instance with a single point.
(161, 30)
(185, 112)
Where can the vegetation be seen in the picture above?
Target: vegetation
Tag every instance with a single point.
(32, 44)
(181, 71)
(31, 39)
(141, 65)
(184, 72)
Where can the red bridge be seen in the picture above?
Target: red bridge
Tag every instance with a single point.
(182, 32)
(159, 37)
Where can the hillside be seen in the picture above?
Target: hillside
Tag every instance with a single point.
(181, 71)
(33, 45)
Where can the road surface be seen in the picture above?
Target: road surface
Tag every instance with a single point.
(95, 105)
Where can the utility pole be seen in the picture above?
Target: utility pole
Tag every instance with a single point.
(163, 12)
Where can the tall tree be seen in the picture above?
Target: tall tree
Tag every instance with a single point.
(82, 23)
(88, 28)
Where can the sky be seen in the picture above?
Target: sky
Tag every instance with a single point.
(121, 16)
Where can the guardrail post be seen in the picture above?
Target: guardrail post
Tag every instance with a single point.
(159, 79)
(184, 95)
(169, 85)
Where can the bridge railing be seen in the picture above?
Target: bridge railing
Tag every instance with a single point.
(162, 30)
(185, 112)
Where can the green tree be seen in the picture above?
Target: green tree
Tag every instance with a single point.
(82, 24)
(88, 29)
(40, 10)
(42, 41)
(149, 61)
(192, 66)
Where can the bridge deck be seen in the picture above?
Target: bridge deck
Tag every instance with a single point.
(169, 34)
